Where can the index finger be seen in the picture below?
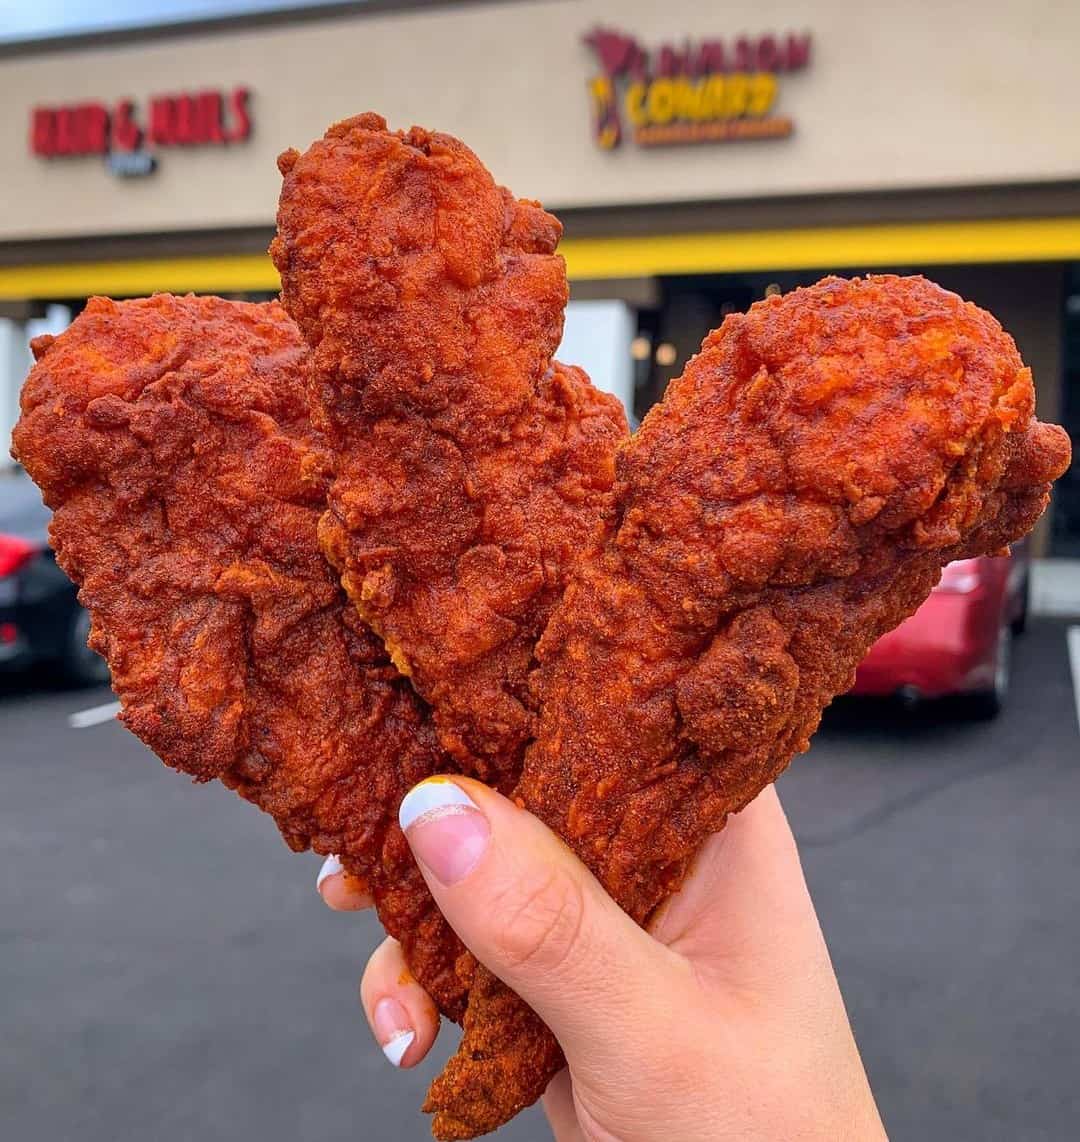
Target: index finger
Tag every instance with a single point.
(341, 890)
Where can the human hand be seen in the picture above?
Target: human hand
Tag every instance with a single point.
(722, 1021)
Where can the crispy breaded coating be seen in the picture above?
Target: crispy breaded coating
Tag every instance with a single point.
(471, 470)
(172, 438)
(633, 644)
(794, 496)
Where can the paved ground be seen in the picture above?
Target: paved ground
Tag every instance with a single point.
(167, 972)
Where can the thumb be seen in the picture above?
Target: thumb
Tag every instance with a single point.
(535, 916)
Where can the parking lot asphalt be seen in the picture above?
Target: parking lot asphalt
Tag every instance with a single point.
(167, 971)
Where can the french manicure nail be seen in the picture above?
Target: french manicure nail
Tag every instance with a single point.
(392, 1029)
(330, 867)
(445, 829)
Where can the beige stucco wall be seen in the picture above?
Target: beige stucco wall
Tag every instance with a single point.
(897, 95)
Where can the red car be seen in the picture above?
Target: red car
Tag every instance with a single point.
(959, 641)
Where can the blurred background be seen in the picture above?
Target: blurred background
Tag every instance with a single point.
(166, 969)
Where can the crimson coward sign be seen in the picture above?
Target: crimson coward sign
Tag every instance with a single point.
(708, 91)
(129, 137)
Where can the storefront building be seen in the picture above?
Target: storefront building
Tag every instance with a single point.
(698, 156)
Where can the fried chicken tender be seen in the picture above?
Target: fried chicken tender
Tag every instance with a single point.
(172, 438)
(794, 496)
(472, 471)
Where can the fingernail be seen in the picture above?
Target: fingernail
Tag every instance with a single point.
(392, 1029)
(445, 829)
(330, 867)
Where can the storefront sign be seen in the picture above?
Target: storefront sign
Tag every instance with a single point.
(710, 91)
(129, 139)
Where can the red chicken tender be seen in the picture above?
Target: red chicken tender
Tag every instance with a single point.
(794, 496)
(472, 470)
(171, 437)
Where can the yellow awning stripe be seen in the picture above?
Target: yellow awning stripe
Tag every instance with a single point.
(836, 247)
(825, 248)
(137, 277)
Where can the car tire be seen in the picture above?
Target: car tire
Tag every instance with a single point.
(986, 704)
(81, 665)
(1019, 624)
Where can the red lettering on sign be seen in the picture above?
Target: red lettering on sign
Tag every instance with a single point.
(241, 116)
(97, 129)
(205, 118)
(744, 55)
(673, 61)
(178, 121)
(160, 130)
(711, 58)
(126, 134)
(210, 114)
(622, 56)
(691, 91)
(798, 52)
(187, 122)
(67, 137)
(42, 131)
(618, 54)
(82, 129)
(768, 54)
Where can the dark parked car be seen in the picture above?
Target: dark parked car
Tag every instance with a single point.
(959, 642)
(40, 617)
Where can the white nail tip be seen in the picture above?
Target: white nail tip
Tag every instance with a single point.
(330, 867)
(395, 1049)
(432, 797)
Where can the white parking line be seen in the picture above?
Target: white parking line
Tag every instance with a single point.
(96, 715)
(1072, 637)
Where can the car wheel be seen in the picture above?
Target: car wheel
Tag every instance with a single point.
(989, 703)
(83, 666)
(1019, 624)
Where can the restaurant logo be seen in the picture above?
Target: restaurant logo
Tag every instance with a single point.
(711, 91)
(129, 140)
